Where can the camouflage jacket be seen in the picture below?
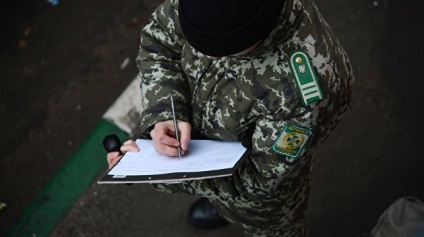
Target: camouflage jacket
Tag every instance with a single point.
(253, 96)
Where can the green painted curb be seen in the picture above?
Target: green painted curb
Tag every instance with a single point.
(75, 176)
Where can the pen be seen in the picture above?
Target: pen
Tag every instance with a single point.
(175, 125)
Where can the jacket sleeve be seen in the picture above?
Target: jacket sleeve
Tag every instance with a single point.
(159, 64)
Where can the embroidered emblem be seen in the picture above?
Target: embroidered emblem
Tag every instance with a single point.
(291, 140)
(305, 77)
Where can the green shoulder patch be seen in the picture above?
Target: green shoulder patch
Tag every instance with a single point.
(305, 77)
(291, 140)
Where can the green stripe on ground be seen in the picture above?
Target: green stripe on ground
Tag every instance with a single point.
(75, 176)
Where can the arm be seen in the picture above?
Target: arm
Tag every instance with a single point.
(159, 64)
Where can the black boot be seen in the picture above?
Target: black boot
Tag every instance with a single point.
(203, 214)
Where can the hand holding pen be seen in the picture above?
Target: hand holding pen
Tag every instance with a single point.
(164, 136)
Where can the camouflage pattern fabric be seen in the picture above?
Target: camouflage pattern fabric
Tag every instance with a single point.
(253, 96)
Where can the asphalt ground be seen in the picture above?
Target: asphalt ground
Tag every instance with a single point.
(60, 71)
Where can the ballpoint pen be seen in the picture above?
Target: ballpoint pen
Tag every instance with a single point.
(175, 126)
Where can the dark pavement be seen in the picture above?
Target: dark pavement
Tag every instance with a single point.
(60, 71)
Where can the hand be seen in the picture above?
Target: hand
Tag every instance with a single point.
(113, 157)
(163, 136)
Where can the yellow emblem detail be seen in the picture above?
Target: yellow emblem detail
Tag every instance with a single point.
(299, 60)
(292, 141)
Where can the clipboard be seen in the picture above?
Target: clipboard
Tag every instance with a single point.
(205, 159)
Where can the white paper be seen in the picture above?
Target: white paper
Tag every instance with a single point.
(202, 155)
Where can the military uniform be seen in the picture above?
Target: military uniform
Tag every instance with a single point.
(253, 96)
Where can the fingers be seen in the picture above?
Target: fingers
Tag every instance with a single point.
(163, 136)
(185, 134)
(164, 133)
(129, 145)
(113, 157)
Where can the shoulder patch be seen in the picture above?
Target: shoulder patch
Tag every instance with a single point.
(305, 77)
(291, 140)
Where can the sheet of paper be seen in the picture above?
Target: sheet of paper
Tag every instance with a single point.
(203, 155)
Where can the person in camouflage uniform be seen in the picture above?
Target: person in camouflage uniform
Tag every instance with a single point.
(251, 96)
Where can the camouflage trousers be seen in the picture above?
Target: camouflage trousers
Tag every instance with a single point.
(283, 216)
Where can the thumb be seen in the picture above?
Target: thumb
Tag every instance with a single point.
(185, 134)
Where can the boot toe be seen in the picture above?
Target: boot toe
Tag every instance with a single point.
(203, 214)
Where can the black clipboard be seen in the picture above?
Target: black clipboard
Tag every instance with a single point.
(171, 177)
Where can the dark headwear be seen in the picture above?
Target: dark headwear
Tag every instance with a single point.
(226, 27)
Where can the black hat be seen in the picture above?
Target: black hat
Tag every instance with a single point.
(226, 27)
